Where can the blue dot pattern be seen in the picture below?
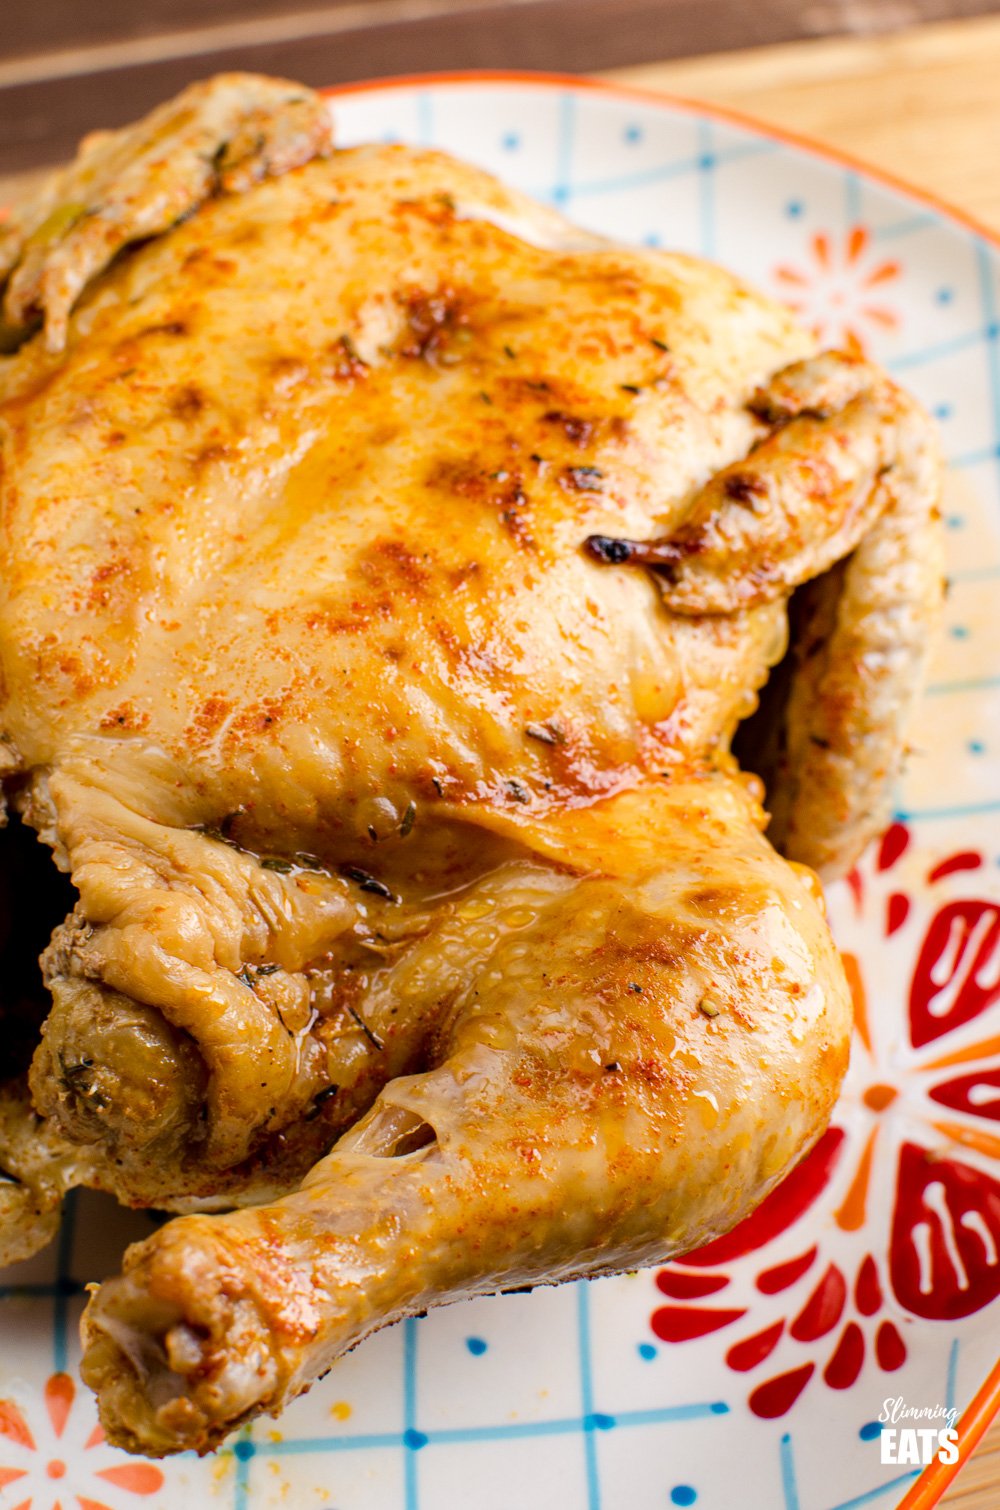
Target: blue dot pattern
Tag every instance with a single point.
(683, 1494)
(476, 1346)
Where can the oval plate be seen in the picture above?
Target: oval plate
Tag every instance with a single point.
(754, 1374)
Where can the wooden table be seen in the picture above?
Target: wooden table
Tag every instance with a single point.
(869, 96)
(923, 104)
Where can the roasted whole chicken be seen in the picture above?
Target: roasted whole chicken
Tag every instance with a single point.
(385, 568)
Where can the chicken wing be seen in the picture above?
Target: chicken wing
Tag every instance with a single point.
(222, 135)
(849, 476)
(37, 1168)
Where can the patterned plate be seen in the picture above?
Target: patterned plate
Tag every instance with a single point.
(754, 1373)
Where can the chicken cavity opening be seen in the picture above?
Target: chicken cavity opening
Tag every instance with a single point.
(34, 898)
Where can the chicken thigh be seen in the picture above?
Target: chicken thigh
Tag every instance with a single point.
(385, 568)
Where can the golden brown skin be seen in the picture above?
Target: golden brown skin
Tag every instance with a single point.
(841, 501)
(223, 134)
(860, 652)
(345, 738)
(204, 581)
(641, 1051)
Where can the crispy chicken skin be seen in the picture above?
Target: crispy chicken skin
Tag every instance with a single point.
(385, 567)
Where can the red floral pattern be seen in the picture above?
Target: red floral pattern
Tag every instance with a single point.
(838, 290)
(958, 969)
(945, 1236)
(57, 1455)
(916, 1122)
